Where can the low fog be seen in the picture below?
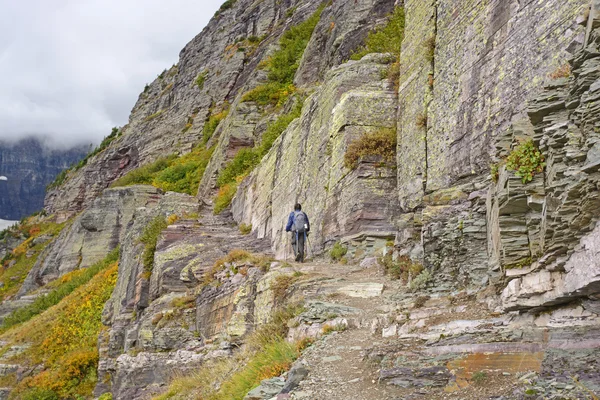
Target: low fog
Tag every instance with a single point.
(70, 70)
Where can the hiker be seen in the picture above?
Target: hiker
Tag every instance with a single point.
(299, 226)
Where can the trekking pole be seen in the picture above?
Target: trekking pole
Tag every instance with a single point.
(287, 242)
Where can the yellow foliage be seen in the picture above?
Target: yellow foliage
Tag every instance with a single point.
(64, 340)
(172, 219)
(22, 248)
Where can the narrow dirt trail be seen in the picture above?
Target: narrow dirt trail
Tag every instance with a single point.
(429, 345)
(338, 364)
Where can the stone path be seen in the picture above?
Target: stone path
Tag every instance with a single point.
(398, 345)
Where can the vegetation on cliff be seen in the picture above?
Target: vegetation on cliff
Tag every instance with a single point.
(247, 159)
(380, 144)
(525, 160)
(17, 264)
(266, 355)
(149, 238)
(62, 177)
(213, 122)
(177, 174)
(276, 92)
(61, 288)
(386, 39)
(64, 340)
(283, 64)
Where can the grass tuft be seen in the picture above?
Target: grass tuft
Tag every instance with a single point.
(281, 67)
(564, 71)
(387, 39)
(280, 286)
(245, 229)
(381, 143)
(265, 355)
(177, 174)
(210, 126)
(149, 238)
(337, 252)
(201, 79)
(403, 268)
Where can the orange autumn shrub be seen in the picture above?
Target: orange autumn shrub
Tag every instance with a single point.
(64, 340)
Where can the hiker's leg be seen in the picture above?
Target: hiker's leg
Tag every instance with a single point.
(301, 242)
(294, 247)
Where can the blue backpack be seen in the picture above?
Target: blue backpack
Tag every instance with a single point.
(300, 222)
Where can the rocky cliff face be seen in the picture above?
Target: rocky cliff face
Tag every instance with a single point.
(501, 272)
(29, 166)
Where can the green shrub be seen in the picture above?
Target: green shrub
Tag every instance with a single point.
(150, 238)
(59, 180)
(402, 268)
(290, 12)
(39, 394)
(479, 377)
(184, 174)
(526, 160)
(64, 286)
(387, 39)
(224, 197)
(243, 162)
(213, 122)
(338, 252)
(145, 174)
(200, 79)
(276, 128)
(245, 229)
(420, 281)
(177, 174)
(380, 143)
(225, 6)
(282, 65)
(495, 172)
(272, 93)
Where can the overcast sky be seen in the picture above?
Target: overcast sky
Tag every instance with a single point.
(72, 69)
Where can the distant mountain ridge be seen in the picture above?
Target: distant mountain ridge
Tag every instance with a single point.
(29, 166)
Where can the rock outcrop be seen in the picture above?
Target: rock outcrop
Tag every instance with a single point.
(306, 164)
(558, 231)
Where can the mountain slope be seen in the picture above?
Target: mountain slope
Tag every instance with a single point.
(445, 150)
(29, 167)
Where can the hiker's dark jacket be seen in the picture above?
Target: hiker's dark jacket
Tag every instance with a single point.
(290, 223)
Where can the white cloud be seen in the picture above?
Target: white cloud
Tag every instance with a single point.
(72, 69)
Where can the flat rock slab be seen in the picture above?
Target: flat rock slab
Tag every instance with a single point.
(362, 290)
